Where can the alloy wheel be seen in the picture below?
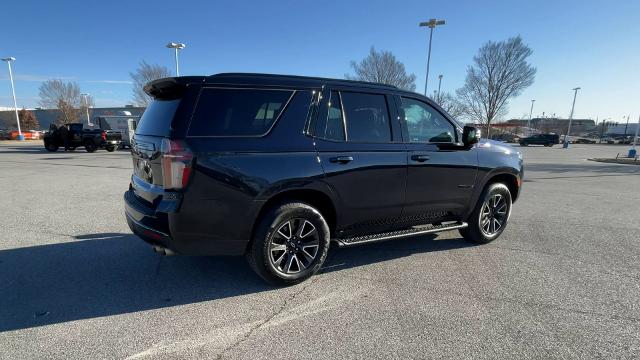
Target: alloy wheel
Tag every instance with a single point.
(294, 246)
(494, 214)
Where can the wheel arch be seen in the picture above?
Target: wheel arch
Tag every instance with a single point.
(316, 198)
(510, 180)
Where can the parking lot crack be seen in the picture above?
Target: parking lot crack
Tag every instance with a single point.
(267, 320)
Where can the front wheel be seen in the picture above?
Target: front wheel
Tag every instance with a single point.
(290, 244)
(490, 216)
(110, 148)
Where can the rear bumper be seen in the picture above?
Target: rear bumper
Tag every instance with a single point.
(158, 228)
(149, 225)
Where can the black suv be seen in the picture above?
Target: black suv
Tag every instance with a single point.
(275, 167)
(540, 139)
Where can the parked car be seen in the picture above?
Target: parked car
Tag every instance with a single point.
(584, 141)
(273, 167)
(77, 136)
(540, 139)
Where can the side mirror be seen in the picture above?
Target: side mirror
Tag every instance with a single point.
(470, 136)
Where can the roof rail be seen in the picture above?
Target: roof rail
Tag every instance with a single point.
(299, 77)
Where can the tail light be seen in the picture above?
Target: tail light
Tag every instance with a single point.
(104, 136)
(176, 162)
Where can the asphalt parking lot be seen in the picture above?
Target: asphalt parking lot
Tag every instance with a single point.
(562, 281)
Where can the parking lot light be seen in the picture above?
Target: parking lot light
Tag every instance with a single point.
(85, 97)
(632, 151)
(566, 137)
(176, 47)
(431, 24)
(530, 114)
(9, 60)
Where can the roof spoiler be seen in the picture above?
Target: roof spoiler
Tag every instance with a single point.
(165, 89)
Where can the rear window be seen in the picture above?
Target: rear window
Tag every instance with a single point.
(237, 112)
(156, 119)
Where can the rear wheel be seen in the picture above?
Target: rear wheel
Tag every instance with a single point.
(51, 147)
(110, 148)
(290, 244)
(490, 216)
(90, 146)
(523, 144)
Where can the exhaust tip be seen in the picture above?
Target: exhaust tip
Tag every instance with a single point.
(162, 250)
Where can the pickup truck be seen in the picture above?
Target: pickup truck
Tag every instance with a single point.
(76, 136)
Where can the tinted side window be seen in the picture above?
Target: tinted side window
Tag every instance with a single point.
(367, 117)
(237, 112)
(333, 127)
(426, 124)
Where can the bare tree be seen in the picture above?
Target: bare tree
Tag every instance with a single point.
(63, 95)
(450, 104)
(52, 91)
(28, 120)
(143, 74)
(68, 113)
(500, 72)
(382, 67)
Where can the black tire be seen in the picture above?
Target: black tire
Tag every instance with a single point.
(110, 148)
(476, 231)
(51, 147)
(72, 148)
(263, 253)
(524, 144)
(90, 146)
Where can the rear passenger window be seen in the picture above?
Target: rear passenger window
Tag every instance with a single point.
(237, 112)
(367, 117)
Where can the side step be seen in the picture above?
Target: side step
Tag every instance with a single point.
(416, 230)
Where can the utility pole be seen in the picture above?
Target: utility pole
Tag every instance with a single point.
(439, 84)
(566, 137)
(431, 24)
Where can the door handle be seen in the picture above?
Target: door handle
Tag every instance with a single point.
(341, 159)
(420, 158)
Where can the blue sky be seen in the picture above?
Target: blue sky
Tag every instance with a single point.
(591, 44)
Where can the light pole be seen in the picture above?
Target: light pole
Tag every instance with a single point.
(431, 24)
(626, 125)
(176, 47)
(566, 137)
(9, 60)
(439, 84)
(632, 151)
(85, 96)
(604, 123)
(530, 114)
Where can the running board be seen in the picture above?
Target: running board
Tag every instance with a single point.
(416, 230)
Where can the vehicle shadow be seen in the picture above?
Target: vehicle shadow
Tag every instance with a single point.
(350, 257)
(115, 273)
